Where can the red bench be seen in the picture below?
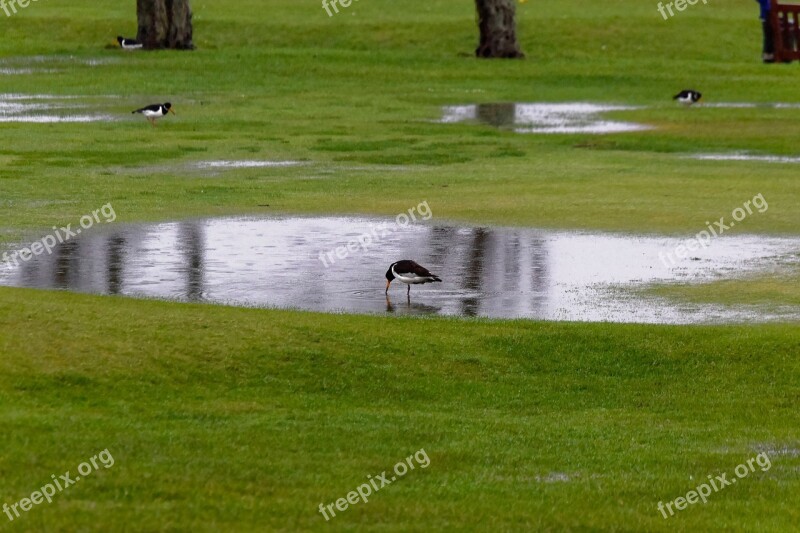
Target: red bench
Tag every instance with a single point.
(785, 30)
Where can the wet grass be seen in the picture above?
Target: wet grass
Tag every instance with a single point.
(527, 425)
(781, 288)
(233, 419)
(363, 90)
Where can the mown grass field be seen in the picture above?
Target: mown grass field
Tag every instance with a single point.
(246, 420)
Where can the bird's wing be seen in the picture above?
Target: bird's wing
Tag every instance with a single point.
(154, 108)
(415, 268)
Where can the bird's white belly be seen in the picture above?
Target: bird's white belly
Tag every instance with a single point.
(153, 114)
(412, 280)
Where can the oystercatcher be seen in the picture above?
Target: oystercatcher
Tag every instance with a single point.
(410, 273)
(152, 112)
(128, 44)
(688, 97)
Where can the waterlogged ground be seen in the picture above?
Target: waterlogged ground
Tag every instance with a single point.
(570, 117)
(576, 117)
(45, 108)
(489, 272)
(743, 156)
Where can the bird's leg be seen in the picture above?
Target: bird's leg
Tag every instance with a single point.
(153, 122)
(408, 292)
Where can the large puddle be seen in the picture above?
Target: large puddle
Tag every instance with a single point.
(490, 272)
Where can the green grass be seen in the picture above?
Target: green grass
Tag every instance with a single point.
(245, 420)
(249, 431)
(356, 95)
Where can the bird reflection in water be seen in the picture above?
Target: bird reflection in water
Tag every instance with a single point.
(408, 308)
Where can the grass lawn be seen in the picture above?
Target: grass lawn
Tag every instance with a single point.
(246, 420)
(224, 418)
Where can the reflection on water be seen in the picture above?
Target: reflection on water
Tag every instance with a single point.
(575, 117)
(491, 272)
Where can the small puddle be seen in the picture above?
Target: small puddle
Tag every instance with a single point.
(490, 272)
(246, 164)
(45, 108)
(8, 71)
(544, 118)
(17, 66)
(739, 156)
(27, 60)
(749, 105)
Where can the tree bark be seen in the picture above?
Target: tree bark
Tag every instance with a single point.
(498, 27)
(164, 24)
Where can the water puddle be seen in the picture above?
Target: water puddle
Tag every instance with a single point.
(740, 156)
(45, 108)
(749, 105)
(544, 118)
(246, 164)
(56, 60)
(490, 272)
(8, 71)
(16, 66)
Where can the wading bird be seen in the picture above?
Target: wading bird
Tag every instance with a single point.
(410, 273)
(152, 112)
(688, 97)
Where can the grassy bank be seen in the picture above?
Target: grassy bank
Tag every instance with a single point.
(527, 425)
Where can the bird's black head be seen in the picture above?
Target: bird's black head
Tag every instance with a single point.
(120, 39)
(389, 275)
(167, 105)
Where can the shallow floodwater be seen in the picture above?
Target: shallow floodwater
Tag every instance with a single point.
(740, 156)
(545, 118)
(45, 108)
(491, 272)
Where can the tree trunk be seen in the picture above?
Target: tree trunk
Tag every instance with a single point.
(497, 23)
(164, 24)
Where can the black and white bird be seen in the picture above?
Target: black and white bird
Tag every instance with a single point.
(688, 97)
(152, 112)
(128, 44)
(410, 273)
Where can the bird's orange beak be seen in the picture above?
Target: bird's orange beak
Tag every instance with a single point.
(173, 112)
(387, 286)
